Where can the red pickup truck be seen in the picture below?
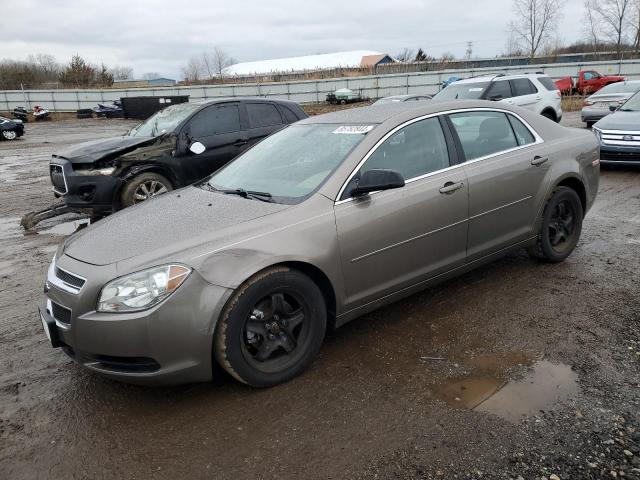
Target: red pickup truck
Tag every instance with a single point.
(589, 81)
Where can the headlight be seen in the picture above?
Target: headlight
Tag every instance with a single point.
(598, 134)
(95, 171)
(141, 290)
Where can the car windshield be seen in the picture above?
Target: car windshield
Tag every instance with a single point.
(632, 105)
(620, 87)
(290, 164)
(462, 90)
(164, 121)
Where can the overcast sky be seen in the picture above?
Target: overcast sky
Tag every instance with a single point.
(160, 35)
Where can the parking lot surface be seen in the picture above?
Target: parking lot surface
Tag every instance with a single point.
(516, 370)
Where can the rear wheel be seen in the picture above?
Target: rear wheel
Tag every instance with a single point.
(272, 328)
(589, 124)
(559, 227)
(550, 115)
(144, 186)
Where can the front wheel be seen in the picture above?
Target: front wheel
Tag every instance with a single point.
(144, 186)
(560, 226)
(272, 328)
(9, 135)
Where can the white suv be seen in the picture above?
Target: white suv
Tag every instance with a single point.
(535, 91)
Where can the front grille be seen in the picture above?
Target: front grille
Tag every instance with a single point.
(69, 278)
(57, 179)
(620, 156)
(620, 138)
(60, 313)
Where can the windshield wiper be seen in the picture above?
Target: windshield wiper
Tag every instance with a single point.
(262, 196)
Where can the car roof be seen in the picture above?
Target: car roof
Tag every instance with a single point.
(243, 99)
(498, 77)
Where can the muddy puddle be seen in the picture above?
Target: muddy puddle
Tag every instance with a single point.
(538, 385)
(10, 227)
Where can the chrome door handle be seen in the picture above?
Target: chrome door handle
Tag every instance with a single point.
(538, 160)
(451, 187)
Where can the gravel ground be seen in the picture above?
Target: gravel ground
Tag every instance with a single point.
(518, 370)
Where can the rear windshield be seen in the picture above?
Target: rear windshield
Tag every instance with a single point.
(547, 83)
(620, 87)
(462, 90)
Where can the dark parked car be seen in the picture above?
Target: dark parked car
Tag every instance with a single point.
(10, 129)
(619, 134)
(173, 148)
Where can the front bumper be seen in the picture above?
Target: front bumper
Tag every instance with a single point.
(623, 156)
(168, 344)
(85, 192)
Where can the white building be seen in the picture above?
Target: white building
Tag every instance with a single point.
(325, 61)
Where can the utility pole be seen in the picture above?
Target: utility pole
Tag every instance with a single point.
(469, 51)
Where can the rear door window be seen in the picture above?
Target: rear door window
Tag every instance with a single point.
(547, 83)
(499, 89)
(523, 134)
(483, 133)
(263, 115)
(522, 86)
(289, 116)
(215, 120)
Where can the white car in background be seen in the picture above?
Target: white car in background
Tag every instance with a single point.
(534, 91)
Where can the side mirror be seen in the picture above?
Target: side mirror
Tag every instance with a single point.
(613, 108)
(197, 148)
(377, 179)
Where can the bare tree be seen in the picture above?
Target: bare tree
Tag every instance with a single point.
(592, 23)
(121, 72)
(613, 17)
(634, 23)
(406, 55)
(150, 75)
(192, 71)
(535, 21)
(221, 60)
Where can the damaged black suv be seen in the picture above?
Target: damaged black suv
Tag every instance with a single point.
(171, 149)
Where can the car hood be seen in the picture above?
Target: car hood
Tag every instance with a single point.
(170, 223)
(95, 150)
(620, 121)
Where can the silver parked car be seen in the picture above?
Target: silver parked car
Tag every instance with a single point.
(403, 98)
(606, 100)
(321, 222)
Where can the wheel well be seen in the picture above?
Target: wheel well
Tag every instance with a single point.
(576, 185)
(323, 282)
(551, 112)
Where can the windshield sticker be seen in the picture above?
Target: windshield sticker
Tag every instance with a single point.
(353, 129)
(475, 89)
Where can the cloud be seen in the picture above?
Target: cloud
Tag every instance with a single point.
(161, 35)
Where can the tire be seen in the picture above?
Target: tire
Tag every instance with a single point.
(549, 115)
(272, 328)
(9, 135)
(589, 125)
(144, 186)
(560, 226)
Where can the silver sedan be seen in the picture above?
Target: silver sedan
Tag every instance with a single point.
(318, 224)
(606, 100)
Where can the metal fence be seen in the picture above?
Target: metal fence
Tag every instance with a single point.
(306, 91)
